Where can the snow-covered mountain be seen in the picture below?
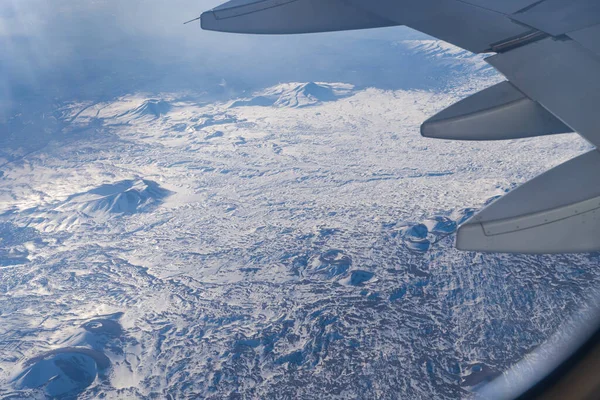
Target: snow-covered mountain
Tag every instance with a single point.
(125, 197)
(289, 243)
(96, 206)
(297, 95)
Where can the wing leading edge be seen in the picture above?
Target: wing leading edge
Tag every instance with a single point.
(289, 16)
(548, 50)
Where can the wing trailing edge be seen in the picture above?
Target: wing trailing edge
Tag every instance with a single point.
(557, 212)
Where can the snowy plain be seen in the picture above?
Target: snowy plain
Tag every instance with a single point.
(294, 242)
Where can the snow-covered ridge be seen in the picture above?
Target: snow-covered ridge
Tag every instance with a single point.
(447, 54)
(297, 95)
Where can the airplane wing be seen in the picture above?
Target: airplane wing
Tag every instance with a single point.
(289, 16)
(549, 50)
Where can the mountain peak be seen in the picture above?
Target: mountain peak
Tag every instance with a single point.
(297, 95)
(124, 197)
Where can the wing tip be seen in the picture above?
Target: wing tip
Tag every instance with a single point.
(208, 21)
(470, 237)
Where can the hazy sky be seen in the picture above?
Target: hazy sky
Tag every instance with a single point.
(101, 48)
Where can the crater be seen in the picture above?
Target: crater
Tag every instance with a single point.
(63, 372)
(332, 263)
(104, 327)
(358, 278)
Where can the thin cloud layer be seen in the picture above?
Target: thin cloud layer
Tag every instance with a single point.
(71, 49)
